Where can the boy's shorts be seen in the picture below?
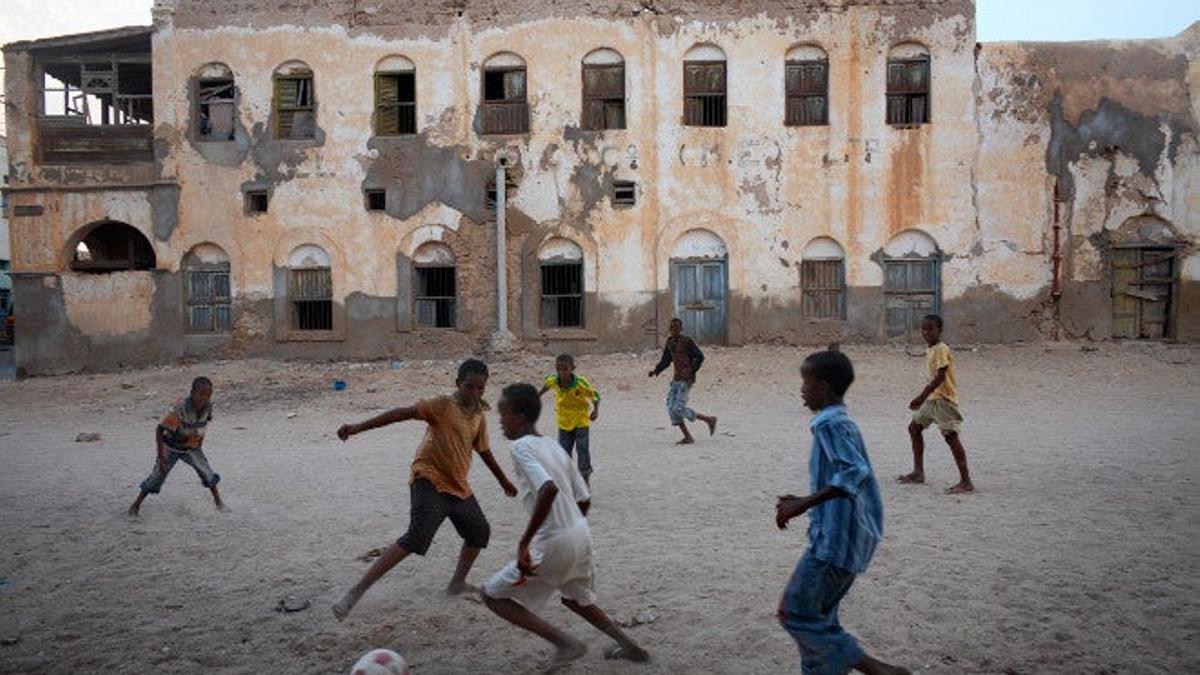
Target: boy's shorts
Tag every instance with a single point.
(430, 507)
(941, 412)
(562, 564)
(193, 458)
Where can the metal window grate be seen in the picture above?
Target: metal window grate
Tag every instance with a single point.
(908, 92)
(603, 97)
(311, 294)
(436, 298)
(395, 104)
(823, 283)
(624, 193)
(704, 94)
(562, 295)
(807, 84)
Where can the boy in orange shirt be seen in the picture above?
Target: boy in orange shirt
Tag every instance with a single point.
(438, 488)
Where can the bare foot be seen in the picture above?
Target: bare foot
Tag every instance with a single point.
(913, 478)
(566, 654)
(685, 441)
(460, 587)
(342, 609)
(960, 489)
(221, 507)
(628, 652)
(712, 426)
(132, 512)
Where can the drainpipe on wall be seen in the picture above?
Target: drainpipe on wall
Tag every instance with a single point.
(502, 339)
(1056, 256)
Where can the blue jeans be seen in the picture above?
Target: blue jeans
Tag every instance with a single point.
(577, 438)
(808, 611)
(193, 458)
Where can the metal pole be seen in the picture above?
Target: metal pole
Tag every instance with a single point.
(501, 255)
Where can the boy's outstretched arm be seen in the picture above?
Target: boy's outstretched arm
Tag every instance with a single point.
(545, 388)
(791, 506)
(662, 363)
(390, 417)
(160, 451)
(490, 460)
(929, 388)
(541, 511)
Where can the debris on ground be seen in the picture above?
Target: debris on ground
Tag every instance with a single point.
(87, 437)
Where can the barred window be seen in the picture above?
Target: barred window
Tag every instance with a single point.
(908, 86)
(310, 289)
(603, 90)
(437, 298)
(562, 295)
(704, 87)
(807, 87)
(293, 105)
(823, 280)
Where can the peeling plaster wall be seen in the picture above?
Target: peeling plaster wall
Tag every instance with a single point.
(1007, 122)
(1114, 126)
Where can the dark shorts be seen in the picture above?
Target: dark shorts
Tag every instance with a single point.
(430, 508)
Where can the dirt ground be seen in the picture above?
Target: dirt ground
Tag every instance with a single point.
(1079, 553)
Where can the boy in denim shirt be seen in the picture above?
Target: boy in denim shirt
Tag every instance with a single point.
(846, 523)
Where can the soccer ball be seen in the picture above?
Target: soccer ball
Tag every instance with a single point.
(381, 662)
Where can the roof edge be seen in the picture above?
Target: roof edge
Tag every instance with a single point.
(80, 38)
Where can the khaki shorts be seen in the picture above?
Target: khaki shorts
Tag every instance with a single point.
(941, 412)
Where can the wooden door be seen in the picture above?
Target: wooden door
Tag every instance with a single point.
(699, 291)
(911, 289)
(1143, 289)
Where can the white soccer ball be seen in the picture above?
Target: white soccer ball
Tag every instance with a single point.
(381, 662)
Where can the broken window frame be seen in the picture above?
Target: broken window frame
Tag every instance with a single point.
(443, 307)
(310, 299)
(508, 115)
(624, 193)
(217, 304)
(609, 104)
(823, 288)
(251, 203)
(212, 91)
(569, 295)
(281, 111)
(909, 103)
(405, 112)
(136, 257)
(115, 105)
(806, 100)
(705, 107)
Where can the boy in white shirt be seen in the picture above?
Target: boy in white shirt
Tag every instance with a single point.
(555, 553)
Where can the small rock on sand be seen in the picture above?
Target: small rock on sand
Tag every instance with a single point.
(87, 437)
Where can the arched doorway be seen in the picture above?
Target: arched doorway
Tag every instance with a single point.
(700, 284)
(912, 281)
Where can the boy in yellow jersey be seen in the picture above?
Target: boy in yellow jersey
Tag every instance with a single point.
(937, 404)
(578, 403)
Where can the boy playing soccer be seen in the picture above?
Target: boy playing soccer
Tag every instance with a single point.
(438, 488)
(573, 396)
(555, 553)
(845, 524)
(179, 436)
(681, 352)
(937, 404)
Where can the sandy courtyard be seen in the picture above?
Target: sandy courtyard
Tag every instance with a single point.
(1079, 554)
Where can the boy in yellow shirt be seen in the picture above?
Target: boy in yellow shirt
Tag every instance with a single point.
(577, 403)
(937, 404)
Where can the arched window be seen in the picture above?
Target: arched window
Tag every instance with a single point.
(561, 263)
(704, 87)
(436, 301)
(505, 106)
(823, 279)
(806, 72)
(310, 289)
(603, 90)
(112, 247)
(294, 104)
(395, 97)
(207, 293)
(911, 281)
(908, 85)
(216, 103)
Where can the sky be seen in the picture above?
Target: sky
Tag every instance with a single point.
(996, 20)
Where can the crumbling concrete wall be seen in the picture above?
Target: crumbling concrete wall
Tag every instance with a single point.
(1108, 130)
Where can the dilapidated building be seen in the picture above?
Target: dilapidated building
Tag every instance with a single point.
(328, 179)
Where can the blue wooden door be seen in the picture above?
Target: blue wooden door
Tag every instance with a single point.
(699, 291)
